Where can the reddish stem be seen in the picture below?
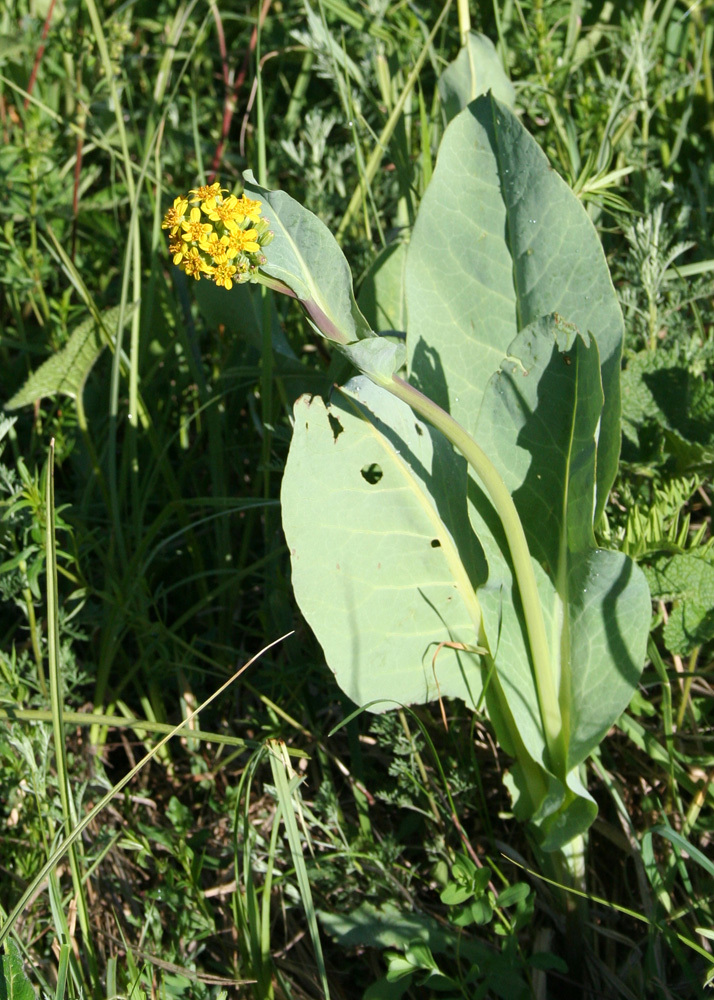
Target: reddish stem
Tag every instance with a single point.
(75, 191)
(229, 104)
(39, 54)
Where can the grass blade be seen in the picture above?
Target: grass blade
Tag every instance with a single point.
(285, 787)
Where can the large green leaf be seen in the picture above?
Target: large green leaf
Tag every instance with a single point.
(501, 241)
(604, 644)
(539, 422)
(383, 559)
(476, 70)
(306, 257)
(381, 295)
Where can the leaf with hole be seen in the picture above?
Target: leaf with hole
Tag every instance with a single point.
(384, 563)
(513, 328)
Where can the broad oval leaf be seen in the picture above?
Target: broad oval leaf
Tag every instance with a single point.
(476, 70)
(306, 257)
(501, 241)
(384, 562)
(539, 421)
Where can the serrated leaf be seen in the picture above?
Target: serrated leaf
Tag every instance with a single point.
(67, 371)
(6, 424)
(667, 406)
(476, 70)
(386, 572)
(638, 406)
(687, 581)
(14, 983)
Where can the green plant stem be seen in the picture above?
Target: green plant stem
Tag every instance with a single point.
(464, 21)
(275, 284)
(506, 510)
(124, 722)
(420, 765)
(34, 249)
(687, 686)
(57, 702)
(297, 98)
(266, 359)
(34, 635)
(520, 554)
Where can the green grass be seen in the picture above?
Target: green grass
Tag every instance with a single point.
(159, 569)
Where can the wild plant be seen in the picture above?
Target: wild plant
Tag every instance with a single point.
(441, 525)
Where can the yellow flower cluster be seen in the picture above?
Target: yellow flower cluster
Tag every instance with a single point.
(219, 237)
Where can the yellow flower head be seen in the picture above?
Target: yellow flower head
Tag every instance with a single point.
(206, 191)
(175, 215)
(194, 230)
(241, 241)
(214, 245)
(194, 265)
(229, 246)
(223, 210)
(223, 272)
(249, 209)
